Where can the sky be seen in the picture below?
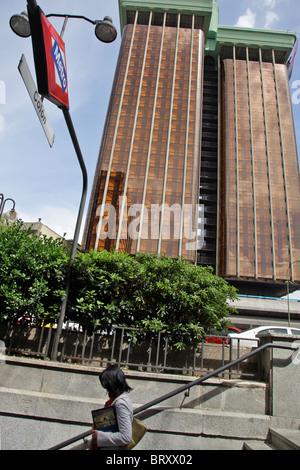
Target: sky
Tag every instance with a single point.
(46, 182)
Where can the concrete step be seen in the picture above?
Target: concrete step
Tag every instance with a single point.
(278, 439)
(258, 445)
(285, 439)
(71, 380)
(177, 429)
(61, 417)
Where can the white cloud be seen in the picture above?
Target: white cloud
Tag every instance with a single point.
(247, 20)
(271, 18)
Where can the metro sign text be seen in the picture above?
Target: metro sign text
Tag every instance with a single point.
(58, 55)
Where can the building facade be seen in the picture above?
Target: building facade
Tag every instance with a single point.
(198, 157)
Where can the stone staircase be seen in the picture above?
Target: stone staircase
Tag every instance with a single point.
(278, 439)
(44, 403)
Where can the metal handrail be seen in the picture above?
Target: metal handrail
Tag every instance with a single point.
(183, 388)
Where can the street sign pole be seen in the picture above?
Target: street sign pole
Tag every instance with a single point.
(71, 129)
(49, 56)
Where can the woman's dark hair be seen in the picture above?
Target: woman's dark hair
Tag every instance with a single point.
(114, 381)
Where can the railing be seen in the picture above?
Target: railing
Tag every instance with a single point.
(151, 353)
(279, 299)
(184, 388)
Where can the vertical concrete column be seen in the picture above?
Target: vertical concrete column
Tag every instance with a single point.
(281, 370)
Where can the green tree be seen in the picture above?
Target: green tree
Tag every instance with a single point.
(149, 292)
(101, 289)
(32, 273)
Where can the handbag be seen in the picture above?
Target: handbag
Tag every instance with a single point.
(139, 429)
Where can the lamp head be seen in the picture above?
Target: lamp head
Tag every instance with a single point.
(11, 216)
(20, 25)
(105, 31)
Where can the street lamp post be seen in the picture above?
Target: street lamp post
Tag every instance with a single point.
(104, 29)
(25, 25)
(3, 202)
(288, 289)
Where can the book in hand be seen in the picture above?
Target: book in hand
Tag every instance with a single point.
(105, 419)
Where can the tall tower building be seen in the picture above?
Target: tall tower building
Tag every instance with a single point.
(198, 156)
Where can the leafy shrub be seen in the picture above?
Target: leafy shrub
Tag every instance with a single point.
(146, 292)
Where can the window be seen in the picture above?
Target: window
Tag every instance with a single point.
(282, 331)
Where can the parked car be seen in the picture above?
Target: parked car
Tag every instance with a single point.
(249, 338)
(217, 337)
